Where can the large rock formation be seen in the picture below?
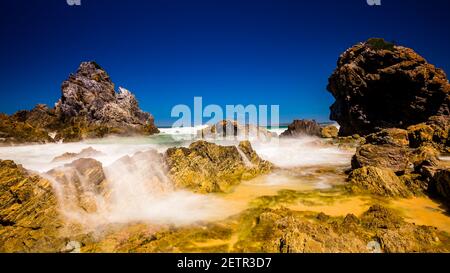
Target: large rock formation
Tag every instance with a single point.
(90, 100)
(206, 167)
(379, 85)
(89, 108)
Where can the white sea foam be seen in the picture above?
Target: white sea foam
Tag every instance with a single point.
(141, 191)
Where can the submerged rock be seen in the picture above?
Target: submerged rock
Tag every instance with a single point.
(85, 153)
(206, 167)
(378, 86)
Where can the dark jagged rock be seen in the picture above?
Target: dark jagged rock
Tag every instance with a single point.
(303, 128)
(379, 87)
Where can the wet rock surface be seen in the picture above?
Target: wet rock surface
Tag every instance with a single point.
(29, 218)
(206, 167)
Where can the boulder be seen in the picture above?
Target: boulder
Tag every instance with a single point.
(303, 128)
(206, 167)
(380, 85)
(231, 128)
(378, 181)
(387, 156)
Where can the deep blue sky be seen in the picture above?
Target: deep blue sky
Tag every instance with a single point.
(228, 51)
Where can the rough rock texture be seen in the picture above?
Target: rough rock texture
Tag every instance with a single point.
(80, 184)
(390, 136)
(29, 219)
(85, 153)
(14, 132)
(89, 95)
(302, 128)
(377, 86)
(435, 131)
(378, 181)
(39, 117)
(89, 108)
(280, 230)
(285, 231)
(206, 167)
(231, 128)
(329, 131)
(388, 156)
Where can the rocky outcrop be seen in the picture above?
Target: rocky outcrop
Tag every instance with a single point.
(206, 167)
(231, 128)
(29, 218)
(14, 132)
(377, 230)
(387, 156)
(89, 108)
(379, 85)
(303, 128)
(435, 131)
(89, 97)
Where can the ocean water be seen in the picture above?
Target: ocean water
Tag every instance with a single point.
(141, 191)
